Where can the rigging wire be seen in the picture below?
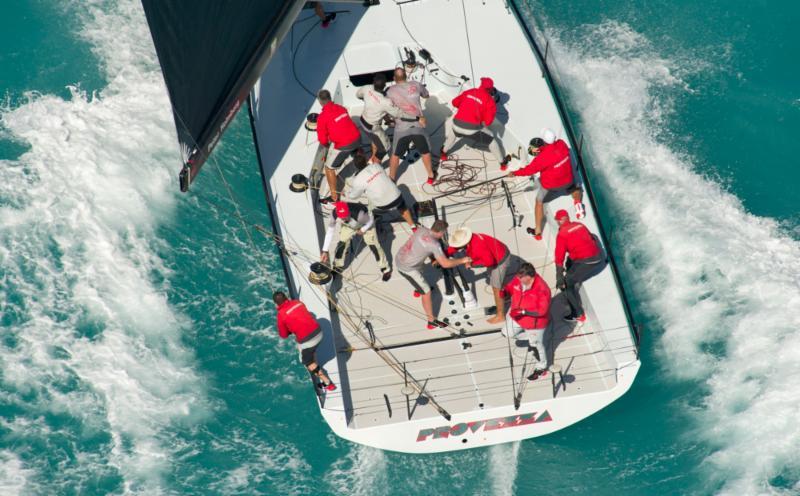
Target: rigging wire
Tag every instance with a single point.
(294, 58)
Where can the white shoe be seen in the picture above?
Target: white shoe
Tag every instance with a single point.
(580, 210)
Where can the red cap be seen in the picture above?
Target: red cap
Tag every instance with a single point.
(562, 214)
(342, 210)
(487, 83)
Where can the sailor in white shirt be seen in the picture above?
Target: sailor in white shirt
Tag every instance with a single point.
(382, 193)
(355, 220)
(376, 107)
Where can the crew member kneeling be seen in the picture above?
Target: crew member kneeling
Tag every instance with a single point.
(355, 220)
(485, 251)
(586, 259)
(294, 318)
(530, 309)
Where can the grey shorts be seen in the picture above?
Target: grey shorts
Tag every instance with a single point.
(337, 157)
(406, 133)
(497, 274)
(547, 195)
(417, 281)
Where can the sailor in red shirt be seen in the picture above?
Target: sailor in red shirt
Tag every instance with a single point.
(586, 259)
(530, 312)
(334, 125)
(294, 318)
(485, 251)
(476, 110)
(551, 159)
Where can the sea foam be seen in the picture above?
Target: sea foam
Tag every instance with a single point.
(722, 284)
(91, 338)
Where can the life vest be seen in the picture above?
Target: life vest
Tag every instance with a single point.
(536, 299)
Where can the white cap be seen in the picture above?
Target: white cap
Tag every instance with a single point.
(460, 237)
(548, 135)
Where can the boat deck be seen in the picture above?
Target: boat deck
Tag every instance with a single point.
(470, 365)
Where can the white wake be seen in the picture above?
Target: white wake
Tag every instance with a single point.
(723, 284)
(94, 335)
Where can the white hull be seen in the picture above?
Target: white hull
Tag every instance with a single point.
(469, 376)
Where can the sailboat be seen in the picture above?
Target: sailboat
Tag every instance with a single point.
(403, 387)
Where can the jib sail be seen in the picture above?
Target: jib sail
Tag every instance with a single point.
(211, 54)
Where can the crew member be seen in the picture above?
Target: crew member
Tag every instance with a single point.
(410, 125)
(485, 251)
(530, 312)
(551, 159)
(376, 108)
(586, 259)
(319, 10)
(382, 193)
(294, 318)
(334, 125)
(476, 112)
(410, 260)
(355, 220)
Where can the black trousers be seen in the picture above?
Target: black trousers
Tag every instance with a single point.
(578, 272)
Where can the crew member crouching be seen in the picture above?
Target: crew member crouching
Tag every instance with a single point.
(551, 159)
(354, 220)
(294, 318)
(475, 113)
(485, 251)
(529, 312)
(586, 259)
(382, 193)
(410, 260)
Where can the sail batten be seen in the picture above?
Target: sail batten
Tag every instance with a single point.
(211, 54)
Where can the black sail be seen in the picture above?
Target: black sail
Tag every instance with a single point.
(211, 54)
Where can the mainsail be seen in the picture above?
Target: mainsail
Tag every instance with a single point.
(212, 53)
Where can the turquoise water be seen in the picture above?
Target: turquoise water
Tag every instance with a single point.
(138, 353)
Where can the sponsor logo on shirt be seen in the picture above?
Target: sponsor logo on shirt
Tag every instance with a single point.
(563, 161)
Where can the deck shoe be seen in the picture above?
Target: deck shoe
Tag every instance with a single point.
(537, 374)
(442, 155)
(330, 387)
(387, 274)
(417, 294)
(532, 232)
(581, 319)
(504, 163)
(432, 180)
(328, 18)
(580, 210)
(433, 324)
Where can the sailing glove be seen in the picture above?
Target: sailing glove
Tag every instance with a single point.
(560, 280)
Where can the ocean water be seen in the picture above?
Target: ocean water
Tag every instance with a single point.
(138, 353)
